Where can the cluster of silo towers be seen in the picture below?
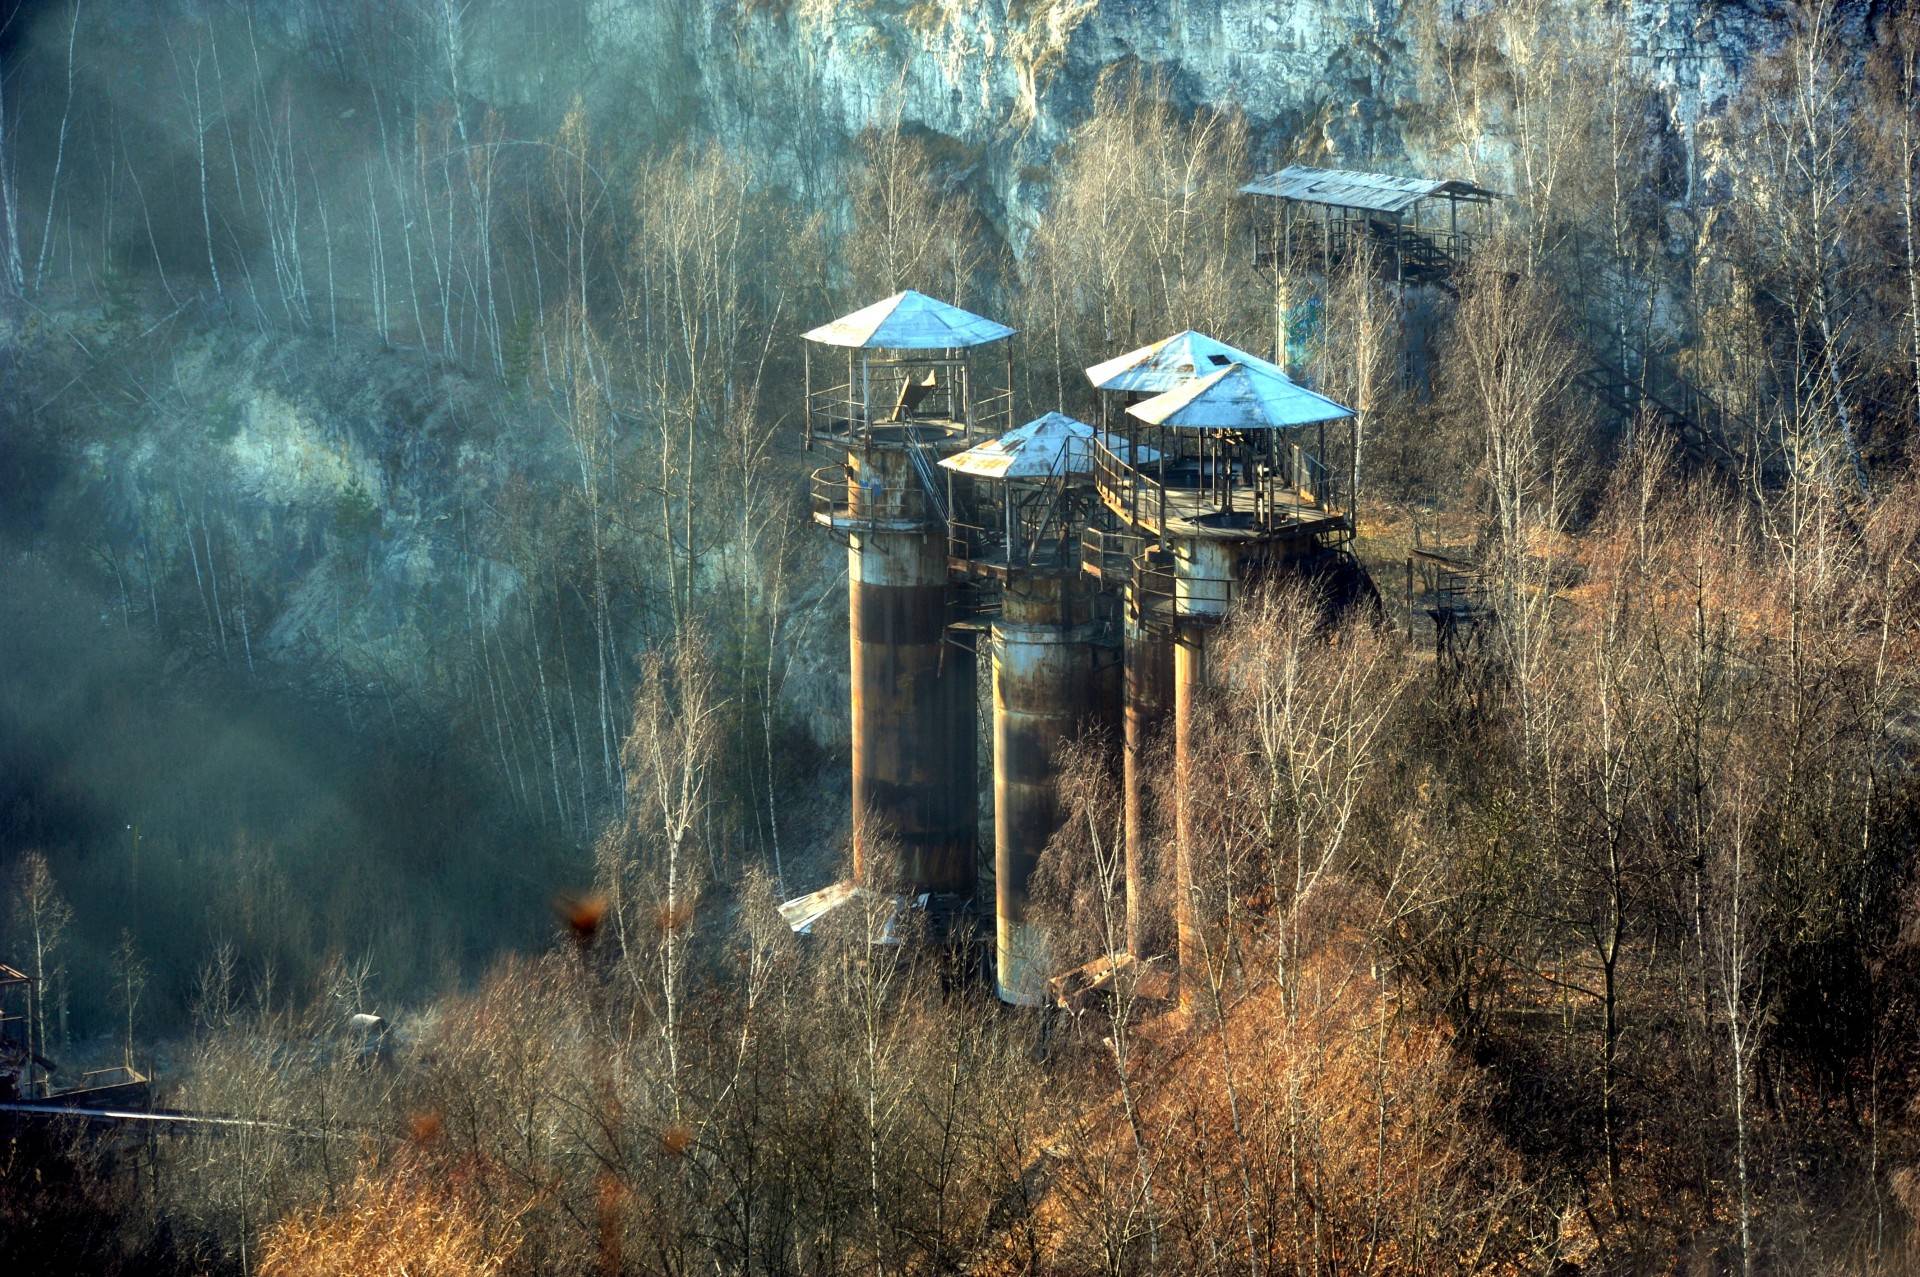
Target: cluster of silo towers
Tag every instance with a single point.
(1098, 559)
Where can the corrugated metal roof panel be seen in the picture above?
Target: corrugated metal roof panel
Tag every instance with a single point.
(1170, 362)
(803, 913)
(1238, 398)
(910, 321)
(1347, 188)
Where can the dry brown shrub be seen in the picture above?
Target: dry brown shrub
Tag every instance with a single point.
(393, 1219)
(1346, 1129)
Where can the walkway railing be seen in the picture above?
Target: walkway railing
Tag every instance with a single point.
(1109, 553)
(1164, 597)
(838, 500)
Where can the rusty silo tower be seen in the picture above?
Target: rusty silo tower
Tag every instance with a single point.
(1032, 488)
(898, 386)
(1211, 480)
(1117, 541)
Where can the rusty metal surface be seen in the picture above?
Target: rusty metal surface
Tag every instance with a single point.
(1042, 669)
(1148, 659)
(1189, 681)
(1204, 578)
(912, 703)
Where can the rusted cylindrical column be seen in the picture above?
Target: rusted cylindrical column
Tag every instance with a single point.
(1189, 678)
(1042, 663)
(1148, 659)
(1204, 572)
(913, 693)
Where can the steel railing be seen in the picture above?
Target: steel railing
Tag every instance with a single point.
(1163, 596)
(850, 410)
(1109, 553)
(836, 497)
(1123, 489)
(992, 414)
(1270, 493)
(930, 483)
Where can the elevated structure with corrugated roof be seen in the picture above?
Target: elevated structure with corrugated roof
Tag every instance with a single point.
(1421, 230)
(909, 366)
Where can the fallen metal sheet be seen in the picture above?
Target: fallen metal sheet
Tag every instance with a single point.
(803, 913)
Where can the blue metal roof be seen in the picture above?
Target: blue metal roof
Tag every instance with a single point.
(910, 321)
(1238, 397)
(1172, 361)
(1046, 447)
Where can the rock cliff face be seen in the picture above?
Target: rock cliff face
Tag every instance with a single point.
(1000, 83)
(332, 479)
(315, 490)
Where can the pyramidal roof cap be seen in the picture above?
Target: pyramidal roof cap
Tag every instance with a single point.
(910, 321)
(1049, 445)
(1172, 361)
(1046, 446)
(1238, 397)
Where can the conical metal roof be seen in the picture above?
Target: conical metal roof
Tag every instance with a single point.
(910, 321)
(1172, 361)
(1238, 397)
(1044, 448)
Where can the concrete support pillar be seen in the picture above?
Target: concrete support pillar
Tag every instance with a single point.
(1205, 582)
(1042, 668)
(912, 690)
(1189, 680)
(1148, 659)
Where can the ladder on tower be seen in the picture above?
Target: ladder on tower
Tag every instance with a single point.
(929, 478)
